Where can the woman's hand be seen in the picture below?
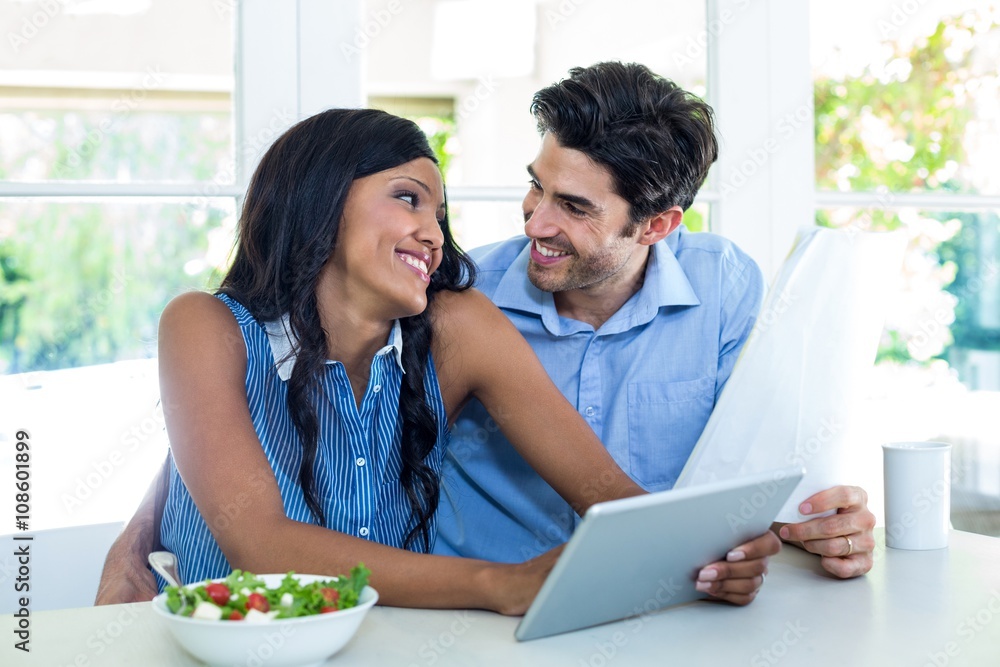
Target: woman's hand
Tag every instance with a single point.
(513, 587)
(739, 578)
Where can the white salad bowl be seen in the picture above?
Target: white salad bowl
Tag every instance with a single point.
(306, 640)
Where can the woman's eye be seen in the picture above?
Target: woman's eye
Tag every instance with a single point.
(533, 184)
(410, 198)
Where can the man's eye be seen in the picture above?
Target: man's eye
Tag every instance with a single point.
(574, 211)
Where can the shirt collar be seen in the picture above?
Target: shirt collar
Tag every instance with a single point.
(665, 274)
(279, 334)
(665, 284)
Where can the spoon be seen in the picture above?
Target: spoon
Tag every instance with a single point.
(165, 564)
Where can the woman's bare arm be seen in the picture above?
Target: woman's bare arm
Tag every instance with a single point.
(479, 353)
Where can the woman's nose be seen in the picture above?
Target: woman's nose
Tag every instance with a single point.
(431, 234)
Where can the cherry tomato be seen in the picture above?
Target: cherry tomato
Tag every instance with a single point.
(235, 615)
(218, 593)
(258, 602)
(330, 594)
(327, 610)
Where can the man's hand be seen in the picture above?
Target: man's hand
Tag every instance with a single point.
(845, 539)
(125, 579)
(738, 578)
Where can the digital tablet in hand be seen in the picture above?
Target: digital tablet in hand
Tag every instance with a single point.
(656, 544)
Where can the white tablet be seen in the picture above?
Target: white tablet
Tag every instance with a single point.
(636, 555)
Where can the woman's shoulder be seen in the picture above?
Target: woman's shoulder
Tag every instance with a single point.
(197, 305)
(466, 324)
(467, 319)
(199, 320)
(467, 306)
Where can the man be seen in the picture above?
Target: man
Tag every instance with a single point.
(636, 320)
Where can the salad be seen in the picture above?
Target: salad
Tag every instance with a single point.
(243, 596)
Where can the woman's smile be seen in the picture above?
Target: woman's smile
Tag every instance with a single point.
(418, 262)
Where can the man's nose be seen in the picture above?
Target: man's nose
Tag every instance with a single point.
(538, 222)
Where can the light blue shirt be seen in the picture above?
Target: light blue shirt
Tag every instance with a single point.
(646, 382)
(358, 459)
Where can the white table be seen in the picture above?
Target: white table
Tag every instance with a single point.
(915, 608)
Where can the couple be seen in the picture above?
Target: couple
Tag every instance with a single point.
(308, 403)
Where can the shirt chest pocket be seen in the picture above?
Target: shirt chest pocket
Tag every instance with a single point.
(665, 420)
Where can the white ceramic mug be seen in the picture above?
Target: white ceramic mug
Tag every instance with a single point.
(917, 477)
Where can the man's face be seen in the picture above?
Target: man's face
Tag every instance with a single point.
(576, 221)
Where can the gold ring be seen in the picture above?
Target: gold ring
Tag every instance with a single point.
(850, 547)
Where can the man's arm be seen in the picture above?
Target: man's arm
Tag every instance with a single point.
(125, 577)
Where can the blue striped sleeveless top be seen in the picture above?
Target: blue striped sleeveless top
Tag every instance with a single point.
(358, 461)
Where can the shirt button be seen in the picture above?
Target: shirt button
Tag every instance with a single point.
(363, 532)
(590, 411)
(377, 388)
(360, 461)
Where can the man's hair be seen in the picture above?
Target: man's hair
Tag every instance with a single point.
(656, 139)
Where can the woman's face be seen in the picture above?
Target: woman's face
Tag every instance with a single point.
(389, 241)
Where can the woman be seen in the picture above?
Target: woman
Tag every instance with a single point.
(301, 463)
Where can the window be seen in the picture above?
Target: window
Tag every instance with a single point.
(106, 92)
(128, 130)
(907, 137)
(116, 142)
(481, 62)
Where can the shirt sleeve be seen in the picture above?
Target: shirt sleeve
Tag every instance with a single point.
(740, 307)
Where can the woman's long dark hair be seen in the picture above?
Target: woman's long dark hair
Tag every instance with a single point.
(288, 230)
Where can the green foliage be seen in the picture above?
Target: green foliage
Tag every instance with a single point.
(440, 131)
(897, 130)
(899, 127)
(84, 283)
(121, 145)
(694, 220)
(975, 252)
(14, 288)
(95, 278)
